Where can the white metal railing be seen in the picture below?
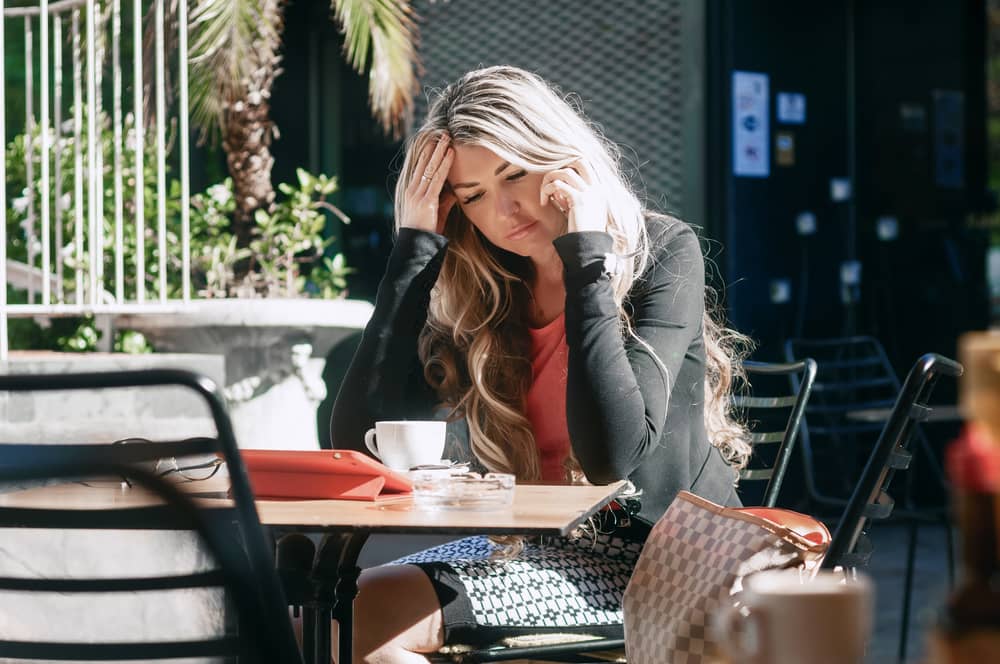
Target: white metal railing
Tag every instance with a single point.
(50, 255)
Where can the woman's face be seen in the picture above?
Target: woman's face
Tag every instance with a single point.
(503, 202)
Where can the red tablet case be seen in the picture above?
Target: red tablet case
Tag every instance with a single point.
(321, 474)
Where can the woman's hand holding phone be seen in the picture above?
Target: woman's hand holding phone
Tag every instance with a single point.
(573, 190)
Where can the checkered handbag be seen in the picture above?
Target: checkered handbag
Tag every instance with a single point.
(693, 561)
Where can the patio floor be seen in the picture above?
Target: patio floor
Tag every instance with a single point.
(930, 586)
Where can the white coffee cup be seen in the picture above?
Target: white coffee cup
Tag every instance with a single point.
(787, 618)
(407, 443)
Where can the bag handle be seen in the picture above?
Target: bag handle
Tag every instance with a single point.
(785, 533)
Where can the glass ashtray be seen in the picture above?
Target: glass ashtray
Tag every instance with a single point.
(463, 491)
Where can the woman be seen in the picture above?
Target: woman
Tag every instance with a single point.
(529, 293)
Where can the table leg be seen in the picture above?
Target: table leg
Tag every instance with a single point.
(309, 635)
(338, 563)
(347, 590)
(323, 630)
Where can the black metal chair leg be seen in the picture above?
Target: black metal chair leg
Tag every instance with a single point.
(904, 628)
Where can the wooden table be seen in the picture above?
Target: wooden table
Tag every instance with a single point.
(536, 510)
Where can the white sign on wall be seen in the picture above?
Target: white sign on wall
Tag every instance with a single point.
(791, 107)
(751, 134)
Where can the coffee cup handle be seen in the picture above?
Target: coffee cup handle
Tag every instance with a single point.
(732, 637)
(370, 443)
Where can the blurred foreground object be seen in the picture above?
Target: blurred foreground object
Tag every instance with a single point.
(969, 629)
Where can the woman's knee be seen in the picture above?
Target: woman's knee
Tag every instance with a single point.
(396, 610)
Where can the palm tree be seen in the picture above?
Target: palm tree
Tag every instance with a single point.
(235, 57)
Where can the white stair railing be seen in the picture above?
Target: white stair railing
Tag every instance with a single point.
(66, 275)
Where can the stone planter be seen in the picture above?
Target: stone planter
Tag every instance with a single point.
(274, 352)
(105, 415)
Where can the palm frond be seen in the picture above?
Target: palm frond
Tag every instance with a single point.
(234, 54)
(386, 30)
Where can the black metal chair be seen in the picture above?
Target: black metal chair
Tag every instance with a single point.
(773, 413)
(233, 534)
(853, 375)
(850, 548)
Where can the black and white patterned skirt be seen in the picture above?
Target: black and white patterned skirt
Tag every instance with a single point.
(554, 585)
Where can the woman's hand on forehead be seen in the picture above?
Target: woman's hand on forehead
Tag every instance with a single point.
(427, 199)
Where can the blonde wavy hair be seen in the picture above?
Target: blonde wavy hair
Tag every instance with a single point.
(475, 345)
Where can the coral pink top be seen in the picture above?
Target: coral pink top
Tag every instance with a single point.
(547, 397)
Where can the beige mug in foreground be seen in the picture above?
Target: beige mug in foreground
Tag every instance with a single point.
(407, 443)
(787, 618)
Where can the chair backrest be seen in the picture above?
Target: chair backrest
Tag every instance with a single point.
(243, 558)
(870, 498)
(853, 375)
(772, 406)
